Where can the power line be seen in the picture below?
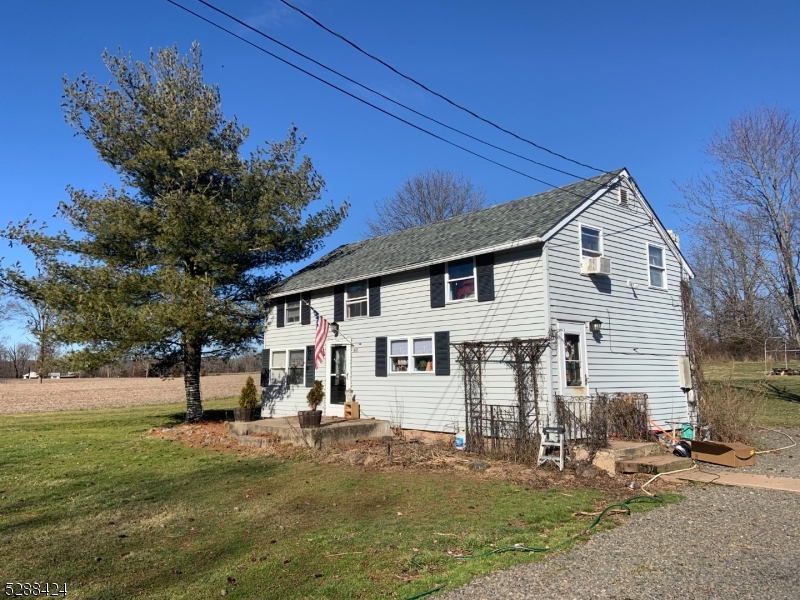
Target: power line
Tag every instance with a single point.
(435, 93)
(385, 97)
(378, 108)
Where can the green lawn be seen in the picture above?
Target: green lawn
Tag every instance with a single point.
(782, 402)
(86, 499)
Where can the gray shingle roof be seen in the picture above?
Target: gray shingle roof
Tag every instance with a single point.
(503, 223)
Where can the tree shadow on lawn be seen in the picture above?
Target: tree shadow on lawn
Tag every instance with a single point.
(782, 393)
(136, 530)
(211, 415)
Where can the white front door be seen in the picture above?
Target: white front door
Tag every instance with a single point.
(573, 370)
(337, 380)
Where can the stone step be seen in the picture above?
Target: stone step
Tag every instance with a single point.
(257, 441)
(288, 431)
(653, 465)
(618, 450)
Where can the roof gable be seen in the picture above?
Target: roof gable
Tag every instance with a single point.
(526, 219)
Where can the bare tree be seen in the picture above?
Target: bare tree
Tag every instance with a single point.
(749, 204)
(18, 354)
(40, 320)
(430, 196)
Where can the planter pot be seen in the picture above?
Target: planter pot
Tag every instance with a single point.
(309, 418)
(244, 414)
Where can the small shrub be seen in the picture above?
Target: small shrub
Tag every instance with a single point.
(316, 395)
(729, 410)
(249, 396)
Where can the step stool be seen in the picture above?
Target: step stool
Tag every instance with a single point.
(552, 448)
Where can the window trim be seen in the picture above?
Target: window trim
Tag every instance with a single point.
(410, 355)
(287, 353)
(580, 240)
(474, 297)
(286, 320)
(572, 328)
(347, 299)
(663, 267)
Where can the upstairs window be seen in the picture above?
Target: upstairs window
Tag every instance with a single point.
(655, 259)
(461, 279)
(293, 311)
(356, 299)
(591, 242)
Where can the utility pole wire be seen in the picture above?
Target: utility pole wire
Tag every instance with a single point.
(385, 97)
(437, 94)
(378, 108)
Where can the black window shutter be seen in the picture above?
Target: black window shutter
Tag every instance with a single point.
(280, 312)
(485, 267)
(310, 371)
(380, 357)
(305, 309)
(441, 349)
(437, 285)
(374, 297)
(264, 368)
(338, 303)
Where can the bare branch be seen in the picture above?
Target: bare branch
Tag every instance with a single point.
(428, 197)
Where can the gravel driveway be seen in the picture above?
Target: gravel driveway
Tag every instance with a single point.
(720, 542)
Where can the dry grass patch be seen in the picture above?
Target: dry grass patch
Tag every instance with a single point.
(24, 396)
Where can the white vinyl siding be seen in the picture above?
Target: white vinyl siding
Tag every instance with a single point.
(642, 329)
(424, 400)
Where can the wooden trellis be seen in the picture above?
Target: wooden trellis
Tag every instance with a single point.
(516, 427)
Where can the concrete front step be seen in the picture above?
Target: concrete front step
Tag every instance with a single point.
(287, 431)
(607, 458)
(653, 465)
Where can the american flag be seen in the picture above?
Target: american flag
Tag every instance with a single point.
(320, 338)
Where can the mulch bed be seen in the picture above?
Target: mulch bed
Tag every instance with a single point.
(416, 455)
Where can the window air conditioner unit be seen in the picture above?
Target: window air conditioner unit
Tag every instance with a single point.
(595, 265)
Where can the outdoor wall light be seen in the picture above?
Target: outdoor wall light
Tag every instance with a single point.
(595, 325)
(335, 329)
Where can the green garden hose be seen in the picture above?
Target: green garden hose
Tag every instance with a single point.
(520, 548)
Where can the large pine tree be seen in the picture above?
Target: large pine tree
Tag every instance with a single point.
(174, 264)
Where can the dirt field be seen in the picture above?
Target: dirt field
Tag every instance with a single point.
(19, 395)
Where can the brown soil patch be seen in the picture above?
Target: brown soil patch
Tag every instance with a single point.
(417, 455)
(20, 395)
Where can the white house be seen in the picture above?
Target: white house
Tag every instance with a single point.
(553, 262)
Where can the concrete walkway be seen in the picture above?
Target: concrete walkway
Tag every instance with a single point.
(785, 484)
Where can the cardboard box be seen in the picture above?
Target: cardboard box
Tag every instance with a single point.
(728, 454)
(352, 410)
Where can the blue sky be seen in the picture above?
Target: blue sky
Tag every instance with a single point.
(612, 84)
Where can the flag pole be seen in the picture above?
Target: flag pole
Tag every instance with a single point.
(349, 395)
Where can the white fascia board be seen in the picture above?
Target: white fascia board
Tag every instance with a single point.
(668, 241)
(648, 209)
(583, 206)
(497, 248)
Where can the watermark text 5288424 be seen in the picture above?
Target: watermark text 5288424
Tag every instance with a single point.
(35, 589)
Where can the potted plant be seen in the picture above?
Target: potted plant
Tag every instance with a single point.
(248, 402)
(315, 397)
